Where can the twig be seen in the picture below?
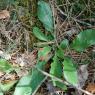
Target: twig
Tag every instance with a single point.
(40, 44)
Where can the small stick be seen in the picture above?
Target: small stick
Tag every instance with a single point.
(43, 43)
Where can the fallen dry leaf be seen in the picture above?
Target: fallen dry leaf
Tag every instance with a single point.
(4, 14)
(91, 88)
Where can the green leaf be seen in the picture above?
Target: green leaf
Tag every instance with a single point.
(7, 86)
(37, 77)
(50, 37)
(38, 33)
(45, 15)
(83, 40)
(61, 85)
(43, 53)
(30, 83)
(56, 70)
(64, 44)
(24, 86)
(5, 66)
(60, 53)
(70, 71)
(1, 93)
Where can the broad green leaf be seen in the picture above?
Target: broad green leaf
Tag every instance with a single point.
(56, 70)
(84, 39)
(24, 86)
(43, 53)
(30, 83)
(5, 66)
(64, 44)
(60, 53)
(37, 77)
(45, 15)
(1, 93)
(70, 71)
(7, 86)
(61, 85)
(38, 33)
